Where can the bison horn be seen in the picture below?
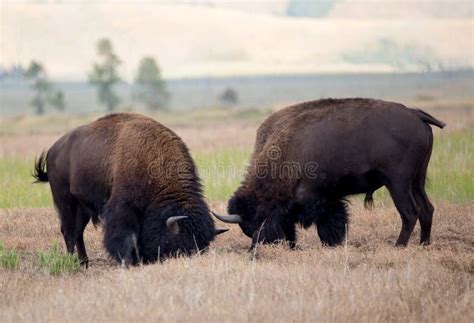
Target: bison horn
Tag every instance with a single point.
(230, 218)
(172, 223)
(220, 230)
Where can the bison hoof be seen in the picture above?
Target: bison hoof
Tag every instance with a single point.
(425, 243)
(84, 263)
(401, 244)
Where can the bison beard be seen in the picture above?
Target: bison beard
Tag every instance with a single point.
(329, 215)
(132, 241)
(121, 233)
(330, 218)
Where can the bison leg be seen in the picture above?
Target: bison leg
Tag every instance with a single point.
(121, 233)
(66, 206)
(82, 219)
(404, 200)
(426, 208)
(425, 216)
(331, 222)
(290, 233)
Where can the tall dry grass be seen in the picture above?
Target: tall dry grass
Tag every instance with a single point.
(366, 280)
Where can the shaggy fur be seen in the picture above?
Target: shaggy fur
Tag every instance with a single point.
(135, 173)
(340, 147)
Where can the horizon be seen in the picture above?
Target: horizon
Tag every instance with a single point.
(253, 38)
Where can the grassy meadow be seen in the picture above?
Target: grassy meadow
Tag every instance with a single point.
(450, 175)
(367, 279)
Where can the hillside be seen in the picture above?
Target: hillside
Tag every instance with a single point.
(191, 40)
(359, 9)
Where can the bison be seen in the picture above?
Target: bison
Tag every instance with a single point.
(138, 178)
(310, 157)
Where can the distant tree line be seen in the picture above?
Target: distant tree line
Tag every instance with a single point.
(149, 88)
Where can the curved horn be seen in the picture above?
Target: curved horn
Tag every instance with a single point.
(172, 223)
(230, 218)
(219, 231)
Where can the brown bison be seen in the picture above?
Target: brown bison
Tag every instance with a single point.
(139, 178)
(309, 157)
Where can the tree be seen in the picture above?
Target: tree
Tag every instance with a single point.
(105, 75)
(229, 97)
(150, 89)
(45, 91)
(57, 100)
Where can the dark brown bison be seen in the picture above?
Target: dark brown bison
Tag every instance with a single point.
(309, 157)
(139, 178)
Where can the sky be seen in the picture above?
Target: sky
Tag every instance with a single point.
(225, 38)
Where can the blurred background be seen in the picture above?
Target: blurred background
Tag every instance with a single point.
(82, 57)
(212, 71)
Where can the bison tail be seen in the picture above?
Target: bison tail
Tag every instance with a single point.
(430, 119)
(39, 172)
(369, 201)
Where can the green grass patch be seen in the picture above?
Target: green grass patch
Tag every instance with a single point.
(450, 175)
(9, 259)
(222, 171)
(58, 263)
(451, 170)
(17, 188)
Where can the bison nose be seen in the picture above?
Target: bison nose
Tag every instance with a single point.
(172, 223)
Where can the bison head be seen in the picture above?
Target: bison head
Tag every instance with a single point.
(262, 224)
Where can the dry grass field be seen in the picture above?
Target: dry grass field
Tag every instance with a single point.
(367, 279)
